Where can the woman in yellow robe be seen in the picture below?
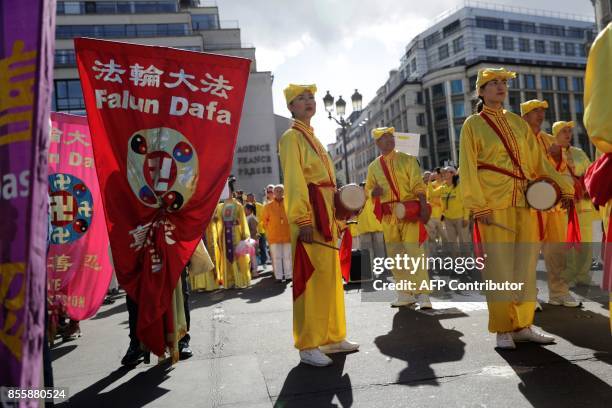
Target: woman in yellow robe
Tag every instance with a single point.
(498, 156)
(209, 280)
(319, 324)
(597, 114)
(233, 227)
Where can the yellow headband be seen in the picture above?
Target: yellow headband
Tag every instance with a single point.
(528, 106)
(488, 74)
(379, 132)
(558, 126)
(293, 91)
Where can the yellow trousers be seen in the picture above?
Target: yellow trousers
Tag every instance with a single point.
(318, 313)
(401, 239)
(554, 249)
(511, 257)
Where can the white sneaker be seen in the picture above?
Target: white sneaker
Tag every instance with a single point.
(538, 307)
(566, 300)
(403, 299)
(344, 346)
(505, 341)
(528, 334)
(423, 301)
(314, 357)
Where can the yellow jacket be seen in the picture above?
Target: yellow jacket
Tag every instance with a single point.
(435, 191)
(597, 91)
(485, 190)
(302, 165)
(274, 218)
(406, 174)
(452, 203)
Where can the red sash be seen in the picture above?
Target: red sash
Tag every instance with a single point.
(504, 142)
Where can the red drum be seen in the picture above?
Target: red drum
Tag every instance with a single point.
(349, 201)
(542, 193)
(409, 211)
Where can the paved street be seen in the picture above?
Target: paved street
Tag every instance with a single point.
(243, 357)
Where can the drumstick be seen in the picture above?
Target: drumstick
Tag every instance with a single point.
(325, 245)
(502, 227)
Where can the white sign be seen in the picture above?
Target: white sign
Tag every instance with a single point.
(408, 143)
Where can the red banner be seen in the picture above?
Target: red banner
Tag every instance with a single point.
(165, 123)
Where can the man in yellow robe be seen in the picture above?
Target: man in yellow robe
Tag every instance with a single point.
(274, 218)
(552, 224)
(456, 216)
(497, 157)
(394, 179)
(597, 114)
(319, 324)
(435, 228)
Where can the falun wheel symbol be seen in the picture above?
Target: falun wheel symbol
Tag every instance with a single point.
(162, 168)
(70, 208)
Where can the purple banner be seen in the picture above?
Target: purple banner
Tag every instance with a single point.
(27, 32)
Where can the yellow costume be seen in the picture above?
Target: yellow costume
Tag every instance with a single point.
(597, 114)
(455, 215)
(493, 184)
(318, 302)
(209, 280)
(233, 228)
(400, 237)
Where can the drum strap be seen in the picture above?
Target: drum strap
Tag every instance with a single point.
(485, 166)
(504, 142)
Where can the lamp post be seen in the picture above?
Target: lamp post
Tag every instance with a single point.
(328, 101)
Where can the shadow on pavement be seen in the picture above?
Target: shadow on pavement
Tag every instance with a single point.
(58, 352)
(582, 328)
(326, 383)
(137, 392)
(549, 380)
(421, 341)
(119, 307)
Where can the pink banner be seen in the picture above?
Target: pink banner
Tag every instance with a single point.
(78, 265)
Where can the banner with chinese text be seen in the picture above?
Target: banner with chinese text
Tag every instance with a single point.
(165, 123)
(78, 266)
(27, 30)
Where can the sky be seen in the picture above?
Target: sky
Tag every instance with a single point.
(343, 45)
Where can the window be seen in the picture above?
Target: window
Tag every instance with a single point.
(564, 106)
(413, 65)
(570, 49)
(431, 39)
(472, 80)
(443, 51)
(524, 45)
(513, 83)
(547, 83)
(529, 95)
(440, 113)
(555, 47)
(562, 84)
(508, 43)
(550, 29)
(456, 87)
(514, 99)
(68, 95)
(451, 28)
(540, 46)
(579, 103)
(437, 91)
(458, 44)
(419, 98)
(65, 58)
(574, 32)
(582, 49)
(578, 84)
(491, 23)
(420, 119)
(204, 21)
(550, 112)
(521, 26)
(458, 109)
(491, 42)
(529, 81)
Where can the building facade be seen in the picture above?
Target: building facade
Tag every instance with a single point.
(432, 91)
(603, 13)
(186, 24)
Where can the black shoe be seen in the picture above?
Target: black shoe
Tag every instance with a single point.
(185, 352)
(132, 356)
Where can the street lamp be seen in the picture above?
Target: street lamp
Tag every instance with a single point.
(328, 101)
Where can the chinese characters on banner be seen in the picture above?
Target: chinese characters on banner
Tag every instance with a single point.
(78, 266)
(165, 123)
(27, 30)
